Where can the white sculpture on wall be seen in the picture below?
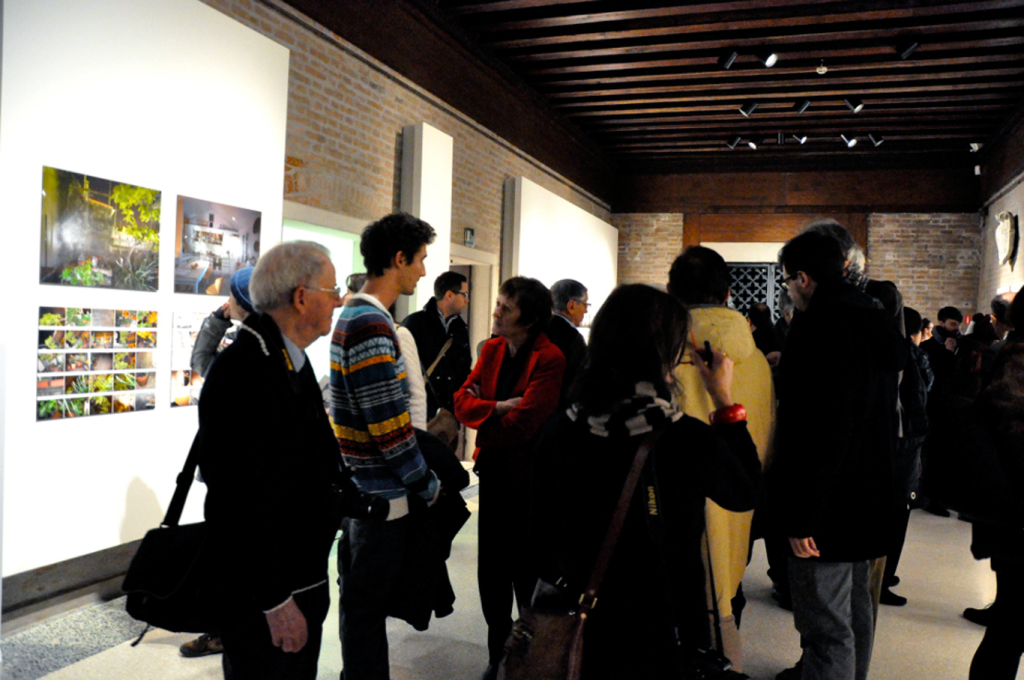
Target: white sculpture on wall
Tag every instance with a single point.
(1007, 238)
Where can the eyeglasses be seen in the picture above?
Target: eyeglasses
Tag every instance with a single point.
(336, 291)
(787, 279)
(459, 292)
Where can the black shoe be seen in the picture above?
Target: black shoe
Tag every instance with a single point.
(982, 617)
(936, 509)
(783, 599)
(791, 673)
(892, 582)
(204, 645)
(890, 598)
(491, 673)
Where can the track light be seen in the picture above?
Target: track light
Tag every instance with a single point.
(767, 58)
(850, 142)
(907, 48)
(855, 104)
(799, 139)
(753, 143)
(733, 143)
(975, 147)
(800, 107)
(781, 138)
(726, 60)
(748, 109)
(877, 141)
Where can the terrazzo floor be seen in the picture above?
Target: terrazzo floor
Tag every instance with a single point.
(925, 639)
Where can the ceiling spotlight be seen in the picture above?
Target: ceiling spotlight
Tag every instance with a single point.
(799, 139)
(877, 141)
(733, 143)
(975, 147)
(781, 138)
(748, 109)
(907, 48)
(800, 107)
(851, 142)
(822, 69)
(726, 60)
(752, 143)
(855, 104)
(767, 58)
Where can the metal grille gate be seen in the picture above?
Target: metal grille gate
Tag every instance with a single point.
(756, 282)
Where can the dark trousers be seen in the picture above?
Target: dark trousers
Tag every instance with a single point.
(901, 520)
(249, 652)
(370, 558)
(502, 563)
(999, 653)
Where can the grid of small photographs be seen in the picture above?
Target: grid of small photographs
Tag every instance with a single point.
(93, 362)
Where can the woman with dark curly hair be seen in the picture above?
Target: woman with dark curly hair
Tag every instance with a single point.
(637, 339)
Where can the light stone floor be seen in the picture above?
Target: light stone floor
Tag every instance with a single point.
(926, 639)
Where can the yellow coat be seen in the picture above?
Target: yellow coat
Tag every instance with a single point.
(728, 331)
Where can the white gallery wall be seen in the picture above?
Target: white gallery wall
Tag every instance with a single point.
(548, 238)
(427, 157)
(165, 94)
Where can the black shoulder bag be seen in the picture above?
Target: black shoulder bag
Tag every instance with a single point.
(547, 644)
(168, 584)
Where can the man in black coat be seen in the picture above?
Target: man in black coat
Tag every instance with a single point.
(832, 476)
(570, 306)
(432, 327)
(269, 459)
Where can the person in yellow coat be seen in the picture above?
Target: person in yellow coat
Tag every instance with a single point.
(700, 278)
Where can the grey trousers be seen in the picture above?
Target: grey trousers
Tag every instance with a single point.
(833, 614)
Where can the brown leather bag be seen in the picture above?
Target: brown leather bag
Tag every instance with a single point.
(547, 644)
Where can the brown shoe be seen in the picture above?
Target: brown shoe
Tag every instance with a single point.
(204, 645)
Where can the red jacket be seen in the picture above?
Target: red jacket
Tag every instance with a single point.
(539, 385)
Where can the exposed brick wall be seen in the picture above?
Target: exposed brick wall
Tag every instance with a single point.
(996, 278)
(345, 120)
(934, 258)
(648, 243)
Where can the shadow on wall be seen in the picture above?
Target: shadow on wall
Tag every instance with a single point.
(142, 511)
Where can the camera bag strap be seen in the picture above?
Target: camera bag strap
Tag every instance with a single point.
(589, 597)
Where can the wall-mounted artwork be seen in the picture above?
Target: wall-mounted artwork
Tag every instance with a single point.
(88, 368)
(1007, 238)
(212, 242)
(98, 233)
(186, 384)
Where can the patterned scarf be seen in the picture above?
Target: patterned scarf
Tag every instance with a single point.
(640, 413)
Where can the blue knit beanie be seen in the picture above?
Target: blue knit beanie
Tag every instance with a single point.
(240, 288)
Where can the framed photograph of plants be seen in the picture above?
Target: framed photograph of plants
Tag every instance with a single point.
(88, 363)
(216, 240)
(98, 232)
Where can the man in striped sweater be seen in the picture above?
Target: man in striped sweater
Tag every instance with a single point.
(370, 416)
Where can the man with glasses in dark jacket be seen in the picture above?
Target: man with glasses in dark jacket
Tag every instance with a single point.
(831, 482)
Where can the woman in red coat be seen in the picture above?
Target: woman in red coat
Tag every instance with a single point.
(511, 392)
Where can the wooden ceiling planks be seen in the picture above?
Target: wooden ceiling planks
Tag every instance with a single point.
(642, 78)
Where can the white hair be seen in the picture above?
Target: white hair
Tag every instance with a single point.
(284, 268)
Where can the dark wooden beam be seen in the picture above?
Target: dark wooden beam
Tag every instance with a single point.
(727, 41)
(953, 190)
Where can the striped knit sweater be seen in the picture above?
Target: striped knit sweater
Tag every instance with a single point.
(370, 404)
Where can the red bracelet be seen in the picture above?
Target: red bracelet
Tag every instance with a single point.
(729, 414)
